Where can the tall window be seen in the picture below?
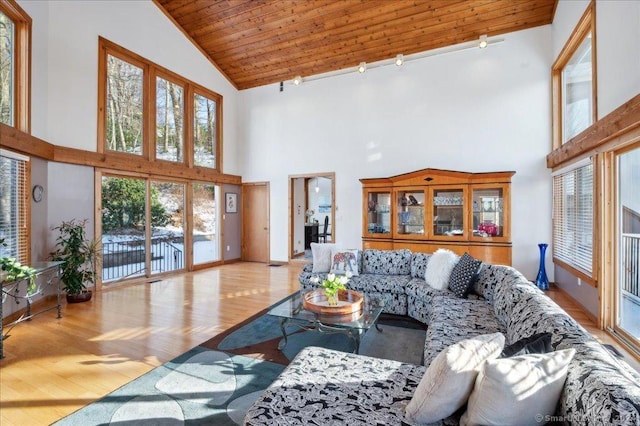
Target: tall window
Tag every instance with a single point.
(184, 117)
(124, 106)
(7, 47)
(205, 141)
(573, 220)
(574, 82)
(14, 206)
(169, 120)
(15, 31)
(577, 85)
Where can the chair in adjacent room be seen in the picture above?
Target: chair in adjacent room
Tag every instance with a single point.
(322, 237)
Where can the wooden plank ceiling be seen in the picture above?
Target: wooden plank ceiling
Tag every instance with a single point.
(258, 42)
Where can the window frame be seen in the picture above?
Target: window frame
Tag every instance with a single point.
(22, 66)
(150, 72)
(586, 25)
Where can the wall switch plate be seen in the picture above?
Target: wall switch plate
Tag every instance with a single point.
(228, 248)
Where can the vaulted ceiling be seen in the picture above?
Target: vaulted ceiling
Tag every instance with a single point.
(259, 42)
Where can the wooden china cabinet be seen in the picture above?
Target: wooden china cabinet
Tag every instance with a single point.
(429, 209)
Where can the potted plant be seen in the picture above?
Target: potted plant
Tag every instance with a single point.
(332, 285)
(12, 270)
(79, 255)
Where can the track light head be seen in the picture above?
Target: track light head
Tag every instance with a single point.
(482, 42)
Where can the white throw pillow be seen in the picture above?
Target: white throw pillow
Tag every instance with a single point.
(343, 261)
(447, 383)
(322, 257)
(439, 268)
(521, 390)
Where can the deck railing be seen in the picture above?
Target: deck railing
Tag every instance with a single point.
(124, 259)
(630, 256)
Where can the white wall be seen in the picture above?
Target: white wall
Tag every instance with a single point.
(618, 80)
(618, 53)
(475, 110)
(617, 47)
(65, 81)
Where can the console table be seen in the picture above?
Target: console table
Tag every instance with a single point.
(17, 290)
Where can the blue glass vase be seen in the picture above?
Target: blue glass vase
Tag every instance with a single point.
(541, 280)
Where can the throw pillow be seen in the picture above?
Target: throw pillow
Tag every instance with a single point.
(343, 261)
(522, 390)
(537, 344)
(464, 275)
(321, 257)
(439, 268)
(447, 383)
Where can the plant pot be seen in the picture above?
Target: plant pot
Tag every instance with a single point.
(85, 296)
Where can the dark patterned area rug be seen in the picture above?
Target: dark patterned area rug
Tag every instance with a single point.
(201, 386)
(216, 382)
(401, 339)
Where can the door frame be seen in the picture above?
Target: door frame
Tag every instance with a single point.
(329, 175)
(610, 303)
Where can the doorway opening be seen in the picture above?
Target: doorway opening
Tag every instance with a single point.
(311, 212)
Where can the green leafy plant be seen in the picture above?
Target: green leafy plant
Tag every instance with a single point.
(79, 255)
(123, 204)
(332, 284)
(12, 270)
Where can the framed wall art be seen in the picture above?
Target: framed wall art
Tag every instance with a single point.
(230, 202)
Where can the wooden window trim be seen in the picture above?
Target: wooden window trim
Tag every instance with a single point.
(150, 72)
(576, 272)
(22, 76)
(107, 48)
(586, 25)
(199, 90)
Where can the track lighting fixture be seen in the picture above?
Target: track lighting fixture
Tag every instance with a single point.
(482, 42)
(400, 59)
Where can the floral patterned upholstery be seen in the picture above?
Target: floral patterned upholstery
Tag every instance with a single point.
(324, 387)
(420, 296)
(453, 320)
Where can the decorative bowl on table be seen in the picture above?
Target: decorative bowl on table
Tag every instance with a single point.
(349, 302)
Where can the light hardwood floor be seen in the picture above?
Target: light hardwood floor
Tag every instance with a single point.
(54, 367)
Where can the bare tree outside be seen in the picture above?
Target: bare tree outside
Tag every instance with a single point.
(124, 106)
(7, 45)
(169, 120)
(204, 132)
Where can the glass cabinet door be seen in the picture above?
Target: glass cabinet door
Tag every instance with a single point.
(488, 213)
(410, 213)
(448, 207)
(378, 220)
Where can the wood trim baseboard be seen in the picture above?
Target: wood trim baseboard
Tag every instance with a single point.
(574, 300)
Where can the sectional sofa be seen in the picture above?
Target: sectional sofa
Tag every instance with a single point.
(321, 386)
